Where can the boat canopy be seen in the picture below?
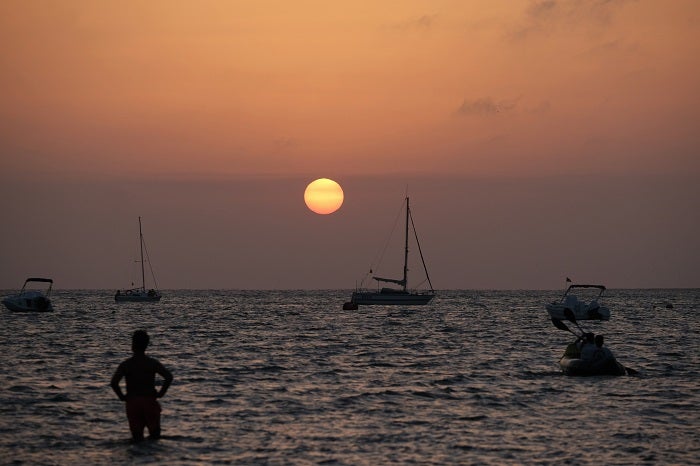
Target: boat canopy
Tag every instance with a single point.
(46, 280)
(600, 287)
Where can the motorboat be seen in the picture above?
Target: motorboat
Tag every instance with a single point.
(601, 362)
(136, 294)
(579, 367)
(391, 295)
(591, 310)
(571, 364)
(31, 300)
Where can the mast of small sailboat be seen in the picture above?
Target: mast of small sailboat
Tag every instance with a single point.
(405, 251)
(143, 274)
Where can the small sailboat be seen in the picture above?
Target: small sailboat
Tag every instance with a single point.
(31, 300)
(140, 293)
(393, 295)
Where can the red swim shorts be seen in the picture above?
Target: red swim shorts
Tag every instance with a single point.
(143, 411)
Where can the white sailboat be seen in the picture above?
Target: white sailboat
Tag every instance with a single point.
(392, 295)
(140, 293)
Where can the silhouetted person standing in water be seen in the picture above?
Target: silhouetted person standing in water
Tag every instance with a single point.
(142, 407)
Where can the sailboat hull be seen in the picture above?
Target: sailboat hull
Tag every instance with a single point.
(396, 298)
(137, 296)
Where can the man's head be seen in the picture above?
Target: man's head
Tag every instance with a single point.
(599, 340)
(139, 341)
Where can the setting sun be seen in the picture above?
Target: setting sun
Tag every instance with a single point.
(323, 196)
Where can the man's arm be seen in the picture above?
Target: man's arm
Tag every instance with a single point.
(167, 379)
(116, 378)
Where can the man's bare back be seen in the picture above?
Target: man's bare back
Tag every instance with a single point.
(140, 373)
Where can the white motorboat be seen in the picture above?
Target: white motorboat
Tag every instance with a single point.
(140, 293)
(31, 300)
(582, 309)
(396, 296)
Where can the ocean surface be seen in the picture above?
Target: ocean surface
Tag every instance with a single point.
(288, 377)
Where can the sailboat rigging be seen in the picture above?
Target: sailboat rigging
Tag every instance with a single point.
(140, 293)
(396, 296)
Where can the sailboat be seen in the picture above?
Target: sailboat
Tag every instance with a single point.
(393, 295)
(140, 293)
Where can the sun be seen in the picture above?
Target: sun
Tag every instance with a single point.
(323, 196)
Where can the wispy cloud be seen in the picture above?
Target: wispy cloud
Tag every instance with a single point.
(543, 107)
(548, 16)
(420, 23)
(543, 9)
(612, 48)
(285, 142)
(485, 106)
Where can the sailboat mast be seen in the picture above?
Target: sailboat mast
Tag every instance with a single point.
(405, 251)
(143, 274)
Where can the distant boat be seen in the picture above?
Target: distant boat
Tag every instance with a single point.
(30, 300)
(396, 296)
(140, 293)
(600, 362)
(592, 310)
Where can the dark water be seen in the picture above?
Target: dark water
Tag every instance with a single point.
(291, 378)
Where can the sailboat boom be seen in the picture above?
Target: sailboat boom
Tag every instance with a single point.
(391, 280)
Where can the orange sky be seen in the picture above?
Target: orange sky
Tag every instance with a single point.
(479, 87)
(505, 119)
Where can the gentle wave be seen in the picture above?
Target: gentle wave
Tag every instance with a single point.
(288, 377)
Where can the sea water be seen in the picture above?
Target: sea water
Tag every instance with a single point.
(289, 377)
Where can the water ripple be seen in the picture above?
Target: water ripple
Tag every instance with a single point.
(291, 378)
